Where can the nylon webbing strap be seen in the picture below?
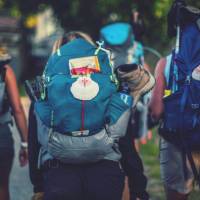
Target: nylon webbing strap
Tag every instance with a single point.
(188, 153)
(184, 99)
(5, 118)
(2, 74)
(171, 73)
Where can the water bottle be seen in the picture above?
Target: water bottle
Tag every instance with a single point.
(124, 94)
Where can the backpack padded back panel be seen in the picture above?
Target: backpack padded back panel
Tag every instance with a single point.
(69, 113)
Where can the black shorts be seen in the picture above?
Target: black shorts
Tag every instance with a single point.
(103, 180)
(6, 160)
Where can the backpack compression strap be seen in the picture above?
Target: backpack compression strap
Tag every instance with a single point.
(2, 74)
(173, 75)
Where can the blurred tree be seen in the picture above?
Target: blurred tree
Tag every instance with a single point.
(90, 15)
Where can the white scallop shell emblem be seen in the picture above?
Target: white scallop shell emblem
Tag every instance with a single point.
(196, 73)
(84, 88)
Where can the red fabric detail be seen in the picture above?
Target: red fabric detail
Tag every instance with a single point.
(82, 115)
(83, 71)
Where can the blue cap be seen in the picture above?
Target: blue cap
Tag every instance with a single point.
(117, 33)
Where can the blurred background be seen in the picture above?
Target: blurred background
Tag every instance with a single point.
(29, 28)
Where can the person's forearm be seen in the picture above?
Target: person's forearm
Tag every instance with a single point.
(21, 124)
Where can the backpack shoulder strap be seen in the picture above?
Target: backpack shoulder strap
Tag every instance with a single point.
(171, 70)
(168, 71)
(2, 74)
(167, 68)
(171, 73)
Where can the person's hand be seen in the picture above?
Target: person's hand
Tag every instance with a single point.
(23, 156)
(38, 196)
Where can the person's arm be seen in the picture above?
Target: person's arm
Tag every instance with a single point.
(135, 16)
(156, 101)
(18, 112)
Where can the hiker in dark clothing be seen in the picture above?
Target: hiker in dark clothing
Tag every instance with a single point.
(36, 176)
(137, 25)
(130, 161)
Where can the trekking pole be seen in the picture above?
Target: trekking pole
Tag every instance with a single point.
(29, 91)
(178, 19)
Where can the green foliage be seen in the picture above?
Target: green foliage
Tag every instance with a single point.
(161, 8)
(90, 15)
(1, 3)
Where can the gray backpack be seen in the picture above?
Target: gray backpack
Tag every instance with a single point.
(2, 89)
(5, 115)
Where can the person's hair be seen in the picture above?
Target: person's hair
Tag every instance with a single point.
(67, 37)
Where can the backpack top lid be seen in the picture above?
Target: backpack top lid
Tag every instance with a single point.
(117, 33)
(59, 62)
(182, 14)
(188, 57)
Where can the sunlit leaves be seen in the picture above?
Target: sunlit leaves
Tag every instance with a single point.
(161, 8)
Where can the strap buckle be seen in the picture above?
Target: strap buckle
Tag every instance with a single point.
(195, 106)
(188, 80)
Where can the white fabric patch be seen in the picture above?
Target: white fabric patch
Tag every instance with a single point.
(196, 73)
(84, 88)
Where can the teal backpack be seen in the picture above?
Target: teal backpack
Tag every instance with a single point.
(79, 99)
(61, 105)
